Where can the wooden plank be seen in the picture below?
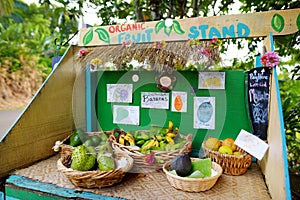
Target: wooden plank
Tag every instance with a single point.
(46, 119)
(275, 161)
(274, 164)
(26, 188)
(280, 22)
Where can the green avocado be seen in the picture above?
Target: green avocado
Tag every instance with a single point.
(75, 139)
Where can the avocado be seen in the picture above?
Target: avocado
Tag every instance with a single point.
(75, 139)
(181, 164)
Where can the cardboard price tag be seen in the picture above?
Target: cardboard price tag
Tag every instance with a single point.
(251, 144)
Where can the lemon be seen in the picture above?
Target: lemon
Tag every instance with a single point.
(225, 150)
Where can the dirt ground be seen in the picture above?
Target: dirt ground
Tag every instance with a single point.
(17, 88)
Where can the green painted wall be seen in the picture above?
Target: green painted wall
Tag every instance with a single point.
(231, 115)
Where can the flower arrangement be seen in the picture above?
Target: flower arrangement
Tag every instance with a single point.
(203, 58)
(82, 52)
(160, 44)
(270, 59)
(95, 64)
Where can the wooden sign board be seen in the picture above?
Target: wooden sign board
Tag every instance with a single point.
(280, 22)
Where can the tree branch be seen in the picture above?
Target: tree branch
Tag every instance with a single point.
(138, 11)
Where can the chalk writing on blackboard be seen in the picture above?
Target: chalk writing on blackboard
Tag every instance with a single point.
(258, 100)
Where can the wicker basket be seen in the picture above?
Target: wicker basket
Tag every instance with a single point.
(193, 184)
(231, 164)
(66, 150)
(96, 178)
(140, 165)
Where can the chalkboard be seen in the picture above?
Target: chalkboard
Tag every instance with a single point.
(258, 100)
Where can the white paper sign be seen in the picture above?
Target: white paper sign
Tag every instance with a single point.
(204, 112)
(251, 144)
(211, 80)
(119, 93)
(126, 115)
(179, 101)
(158, 100)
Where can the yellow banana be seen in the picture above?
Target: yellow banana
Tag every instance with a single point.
(156, 144)
(121, 139)
(150, 144)
(130, 139)
(171, 135)
(171, 125)
(170, 140)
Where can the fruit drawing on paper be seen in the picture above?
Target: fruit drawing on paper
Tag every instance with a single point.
(126, 114)
(178, 103)
(121, 113)
(204, 112)
(121, 94)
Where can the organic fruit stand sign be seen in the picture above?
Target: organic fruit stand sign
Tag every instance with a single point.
(258, 100)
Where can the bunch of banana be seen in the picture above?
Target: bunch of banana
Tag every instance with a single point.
(153, 143)
(126, 139)
(170, 134)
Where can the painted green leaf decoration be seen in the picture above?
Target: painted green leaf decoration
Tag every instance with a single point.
(158, 26)
(277, 23)
(168, 30)
(298, 22)
(103, 35)
(177, 28)
(88, 37)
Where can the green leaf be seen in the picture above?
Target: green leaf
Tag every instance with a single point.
(277, 23)
(177, 28)
(298, 22)
(159, 25)
(88, 37)
(103, 35)
(168, 30)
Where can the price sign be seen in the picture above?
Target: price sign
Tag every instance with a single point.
(258, 100)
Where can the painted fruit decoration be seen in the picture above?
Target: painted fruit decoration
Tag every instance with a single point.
(178, 103)
(205, 112)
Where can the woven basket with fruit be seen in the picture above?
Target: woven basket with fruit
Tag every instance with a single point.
(91, 167)
(233, 159)
(151, 149)
(192, 174)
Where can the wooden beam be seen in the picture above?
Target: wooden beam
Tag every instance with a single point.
(260, 24)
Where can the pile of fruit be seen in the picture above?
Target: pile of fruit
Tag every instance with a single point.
(163, 139)
(90, 152)
(183, 166)
(79, 137)
(226, 146)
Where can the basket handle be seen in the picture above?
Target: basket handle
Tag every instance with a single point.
(115, 134)
(188, 145)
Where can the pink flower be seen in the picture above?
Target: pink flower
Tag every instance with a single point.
(124, 44)
(150, 159)
(214, 43)
(270, 59)
(204, 51)
(81, 52)
(159, 45)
